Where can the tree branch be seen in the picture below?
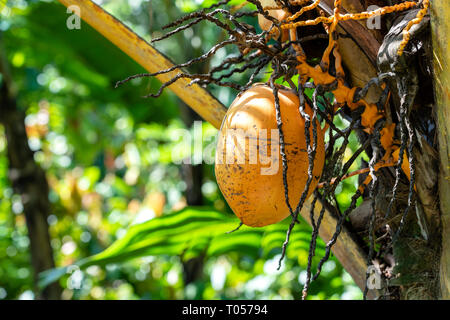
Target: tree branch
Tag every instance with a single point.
(151, 59)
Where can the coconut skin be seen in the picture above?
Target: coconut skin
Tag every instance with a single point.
(258, 199)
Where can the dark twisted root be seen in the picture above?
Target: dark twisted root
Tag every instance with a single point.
(194, 14)
(327, 192)
(311, 157)
(373, 191)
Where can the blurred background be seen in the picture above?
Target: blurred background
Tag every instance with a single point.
(108, 158)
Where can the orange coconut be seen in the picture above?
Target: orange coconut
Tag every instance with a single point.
(254, 189)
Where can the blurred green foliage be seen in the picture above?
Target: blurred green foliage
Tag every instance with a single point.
(108, 157)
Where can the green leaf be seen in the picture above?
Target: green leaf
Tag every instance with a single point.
(189, 233)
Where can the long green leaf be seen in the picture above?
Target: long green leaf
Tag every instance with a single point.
(189, 232)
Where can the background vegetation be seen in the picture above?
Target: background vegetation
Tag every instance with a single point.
(108, 156)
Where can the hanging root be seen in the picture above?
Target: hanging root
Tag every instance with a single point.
(194, 14)
(282, 145)
(236, 229)
(373, 190)
(339, 225)
(311, 157)
(329, 190)
(407, 125)
(312, 245)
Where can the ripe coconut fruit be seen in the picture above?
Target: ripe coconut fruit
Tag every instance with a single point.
(248, 165)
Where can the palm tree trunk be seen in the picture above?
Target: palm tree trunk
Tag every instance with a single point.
(440, 11)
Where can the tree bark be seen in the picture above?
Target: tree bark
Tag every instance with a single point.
(193, 177)
(28, 180)
(440, 23)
